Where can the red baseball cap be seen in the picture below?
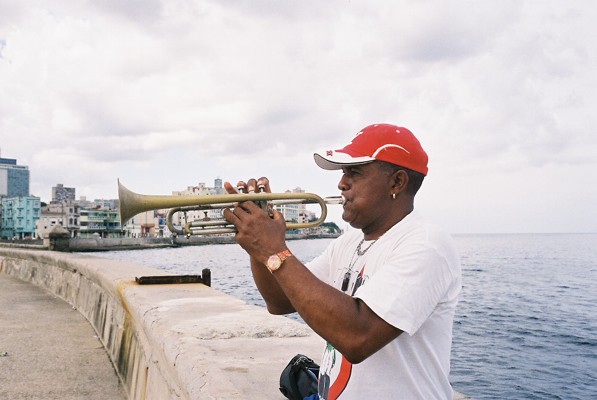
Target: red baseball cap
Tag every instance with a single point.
(384, 142)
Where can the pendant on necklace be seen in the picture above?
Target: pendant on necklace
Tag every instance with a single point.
(346, 281)
(358, 253)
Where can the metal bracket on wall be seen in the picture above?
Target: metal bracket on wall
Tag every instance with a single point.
(204, 278)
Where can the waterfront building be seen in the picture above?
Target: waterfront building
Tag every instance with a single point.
(18, 217)
(105, 223)
(104, 204)
(65, 213)
(14, 178)
(295, 212)
(150, 223)
(181, 218)
(84, 203)
(61, 193)
(218, 186)
(107, 204)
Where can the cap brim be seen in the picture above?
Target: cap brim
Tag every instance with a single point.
(339, 160)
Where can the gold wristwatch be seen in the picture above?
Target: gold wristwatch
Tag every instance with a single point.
(275, 261)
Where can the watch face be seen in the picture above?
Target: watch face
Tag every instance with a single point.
(274, 262)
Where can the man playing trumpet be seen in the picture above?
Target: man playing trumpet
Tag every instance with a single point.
(383, 295)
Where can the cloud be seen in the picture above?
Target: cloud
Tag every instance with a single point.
(170, 92)
(141, 12)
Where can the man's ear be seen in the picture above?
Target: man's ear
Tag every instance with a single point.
(400, 180)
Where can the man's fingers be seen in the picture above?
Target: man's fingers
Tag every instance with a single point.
(251, 185)
(241, 187)
(233, 216)
(229, 188)
(263, 185)
(228, 215)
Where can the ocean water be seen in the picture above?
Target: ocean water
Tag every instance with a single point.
(526, 324)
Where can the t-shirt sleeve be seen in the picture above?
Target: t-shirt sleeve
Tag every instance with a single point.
(407, 287)
(320, 267)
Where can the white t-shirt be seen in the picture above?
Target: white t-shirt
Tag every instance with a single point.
(411, 278)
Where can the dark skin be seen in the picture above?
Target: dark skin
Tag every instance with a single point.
(345, 322)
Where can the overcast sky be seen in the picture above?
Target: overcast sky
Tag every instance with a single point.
(166, 94)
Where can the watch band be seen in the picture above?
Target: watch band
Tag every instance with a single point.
(275, 261)
(284, 255)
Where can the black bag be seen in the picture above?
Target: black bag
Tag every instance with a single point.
(299, 378)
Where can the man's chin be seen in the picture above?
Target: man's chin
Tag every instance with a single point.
(350, 222)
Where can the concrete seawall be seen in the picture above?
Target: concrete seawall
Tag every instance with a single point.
(126, 243)
(173, 341)
(184, 341)
(97, 244)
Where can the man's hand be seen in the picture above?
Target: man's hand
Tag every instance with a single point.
(260, 235)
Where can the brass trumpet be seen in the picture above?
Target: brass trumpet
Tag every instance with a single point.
(131, 204)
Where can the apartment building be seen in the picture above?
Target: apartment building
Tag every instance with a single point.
(295, 212)
(105, 223)
(18, 217)
(14, 178)
(66, 214)
(61, 193)
(201, 189)
(147, 224)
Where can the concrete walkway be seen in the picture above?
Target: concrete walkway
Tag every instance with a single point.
(48, 350)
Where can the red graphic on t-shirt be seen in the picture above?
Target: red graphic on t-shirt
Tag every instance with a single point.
(334, 378)
(341, 380)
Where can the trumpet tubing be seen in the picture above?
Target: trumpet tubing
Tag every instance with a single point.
(131, 204)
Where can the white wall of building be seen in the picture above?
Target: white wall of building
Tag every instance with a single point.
(3, 182)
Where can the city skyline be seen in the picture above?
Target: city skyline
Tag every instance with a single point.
(25, 216)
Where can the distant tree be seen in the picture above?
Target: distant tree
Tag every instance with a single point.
(331, 227)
